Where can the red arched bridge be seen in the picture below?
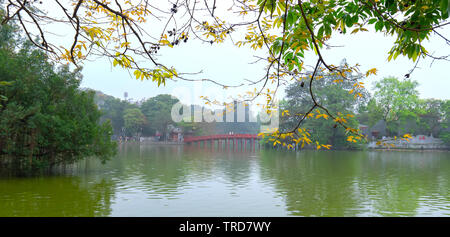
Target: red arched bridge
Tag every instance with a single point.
(229, 140)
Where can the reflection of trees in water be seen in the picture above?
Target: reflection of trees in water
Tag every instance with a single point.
(313, 183)
(172, 167)
(357, 183)
(205, 164)
(158, 170)
(235, 166)
(55, 196)
(400, 181)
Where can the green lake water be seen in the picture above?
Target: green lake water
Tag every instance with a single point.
(145, 180)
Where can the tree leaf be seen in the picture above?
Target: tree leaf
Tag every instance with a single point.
(445, 6)
(379, 26)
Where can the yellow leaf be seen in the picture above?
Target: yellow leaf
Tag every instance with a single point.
(354, 31)
(115, 62)
(371, 71)
(137, 73)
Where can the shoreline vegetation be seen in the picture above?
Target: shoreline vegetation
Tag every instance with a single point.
(45, 118)
(364, 147)
(410, 149)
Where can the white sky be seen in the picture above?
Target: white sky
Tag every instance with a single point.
(229, 64)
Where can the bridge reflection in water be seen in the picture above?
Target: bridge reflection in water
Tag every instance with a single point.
(225, 141)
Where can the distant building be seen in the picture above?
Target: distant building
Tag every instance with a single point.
(364, 129)
(378, 130)
(420, 142)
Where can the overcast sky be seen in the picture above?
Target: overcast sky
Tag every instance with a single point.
(229, 64)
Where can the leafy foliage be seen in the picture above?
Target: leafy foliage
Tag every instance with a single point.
(397, 103)
(336, 98)
(134, 121)
(445, 134)
(158, 112)
(113, 110)
(46, 119)
(394, 95)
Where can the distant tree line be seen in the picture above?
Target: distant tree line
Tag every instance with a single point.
(154, 115)
(397, 104)
(133, 119)
(394, 109)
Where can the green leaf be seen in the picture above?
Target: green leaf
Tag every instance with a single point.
(355, 19)
(287, 57)
(396, 54)
(390, 57)
(416, 53)
(379, 26)
(327, 29)
(373, 20)
(290, 18)
(320, 32)
(444, 6)
(348, 21)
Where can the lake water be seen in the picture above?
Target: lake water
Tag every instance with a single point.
(145, 180)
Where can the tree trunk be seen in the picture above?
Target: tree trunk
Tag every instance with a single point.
(32, 145)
